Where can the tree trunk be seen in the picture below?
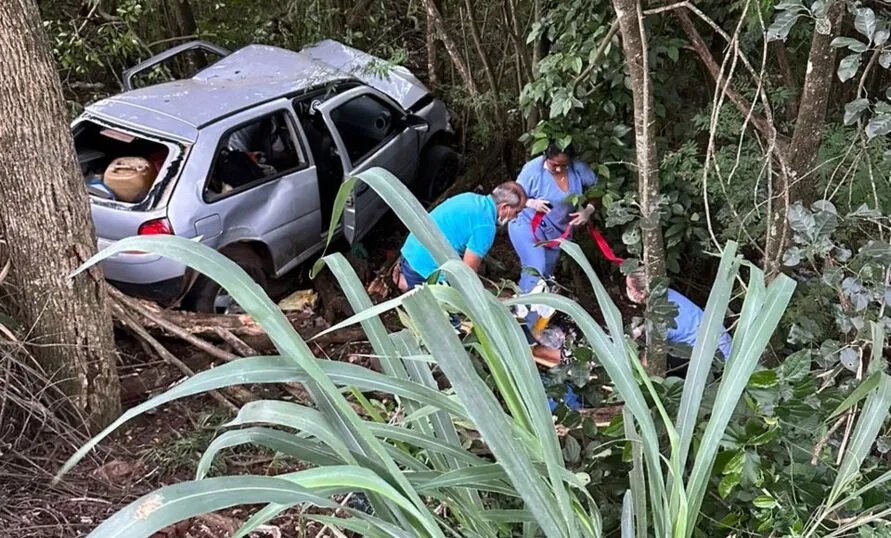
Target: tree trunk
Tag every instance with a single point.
(799, 183)
(634, 43)
(47, 222)
(432, 75)
(452, 48)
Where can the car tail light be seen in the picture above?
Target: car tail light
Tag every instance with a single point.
(156, 227)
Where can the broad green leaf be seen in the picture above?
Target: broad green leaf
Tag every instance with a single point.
(764, 502)
(879, 126)
(307, 450)
(172, 504)
(757, 326)
(539, 146)
(263, 370)
(783, 24)
(866, 387)
(854, 109)
(711, 328)
(885, 60)
(727, 485)
(881, 37)
(870, 421)
(796, 366)
(854, 45)
(628, 515)
(763, 379)
(343, 194)
(486, 413)
(636, 476)
(848, 67)
(865, 22)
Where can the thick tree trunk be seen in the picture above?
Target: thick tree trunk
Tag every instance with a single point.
(799, 183)
(46, 218)
(634, 43)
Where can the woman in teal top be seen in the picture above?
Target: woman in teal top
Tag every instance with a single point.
(548, 180)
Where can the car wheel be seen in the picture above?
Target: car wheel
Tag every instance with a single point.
(439, 168)
(209, 297)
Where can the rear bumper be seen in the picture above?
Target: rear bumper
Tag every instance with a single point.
(165, 292)
(145, 275)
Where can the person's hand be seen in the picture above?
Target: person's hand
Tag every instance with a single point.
(539, 205)
(637, 332)
(581, 217)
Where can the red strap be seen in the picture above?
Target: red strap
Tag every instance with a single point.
(595, 235)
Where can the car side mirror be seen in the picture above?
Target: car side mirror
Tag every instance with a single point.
(417, 122)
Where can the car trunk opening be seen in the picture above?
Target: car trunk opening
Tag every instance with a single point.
(123, 168)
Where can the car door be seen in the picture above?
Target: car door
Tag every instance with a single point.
(370, 130)
(278, 205)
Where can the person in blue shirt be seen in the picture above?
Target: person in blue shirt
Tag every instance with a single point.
(468, 221)
(548, 180)
(688, 319)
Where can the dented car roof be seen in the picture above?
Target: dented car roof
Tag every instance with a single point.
(248, 77)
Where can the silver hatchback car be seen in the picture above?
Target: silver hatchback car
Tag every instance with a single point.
(247, 157)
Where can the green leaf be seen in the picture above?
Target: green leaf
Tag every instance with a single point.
(854, 109)
(765, 502)
(870, 421)
(848, 67)
(673, 54)
(764, 379)
(867, 386)
(865, 22)
(781, 26)
(879, 126)
(854, 45)
(735, 465)
(885, 60)
(727, 485)
(881, 36)
(172, 504)
(796, 366)
(539, 146)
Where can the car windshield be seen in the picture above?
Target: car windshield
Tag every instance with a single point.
(121, 166)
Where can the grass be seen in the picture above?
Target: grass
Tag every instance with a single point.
(408, 470)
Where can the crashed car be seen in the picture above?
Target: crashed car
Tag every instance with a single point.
(247, 156)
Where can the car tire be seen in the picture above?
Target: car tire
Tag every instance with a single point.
(204, 293)
(439, 169)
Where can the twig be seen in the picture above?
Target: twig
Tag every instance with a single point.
(162, 351)
(818, 448)
(592, 64)
(237, 343)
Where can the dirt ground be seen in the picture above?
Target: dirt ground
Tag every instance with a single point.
(163, 447)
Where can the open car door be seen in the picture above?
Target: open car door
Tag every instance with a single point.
(370, 130)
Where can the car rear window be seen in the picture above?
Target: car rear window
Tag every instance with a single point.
(120, 166)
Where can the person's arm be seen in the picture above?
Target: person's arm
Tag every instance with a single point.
(481, 238)
(472, 260)
(529, 179)
(587, 176)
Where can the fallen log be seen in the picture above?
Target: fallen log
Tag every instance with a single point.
(200, 329)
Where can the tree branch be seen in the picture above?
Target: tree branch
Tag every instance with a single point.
(699, 45)
(592, 64)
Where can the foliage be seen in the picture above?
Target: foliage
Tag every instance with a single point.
(528, 481)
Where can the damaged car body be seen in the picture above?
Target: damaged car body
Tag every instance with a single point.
(247, 157)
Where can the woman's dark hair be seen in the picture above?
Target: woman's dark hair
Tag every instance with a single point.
(553, 150)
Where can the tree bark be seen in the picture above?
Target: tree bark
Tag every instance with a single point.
(799, 183)
(634, 44)
(432, 75)
(46, 218)
(452, 48)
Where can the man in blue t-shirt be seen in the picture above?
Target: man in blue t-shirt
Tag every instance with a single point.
(688, 319)
(468, 221)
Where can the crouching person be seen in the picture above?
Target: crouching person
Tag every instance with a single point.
(687, 321)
